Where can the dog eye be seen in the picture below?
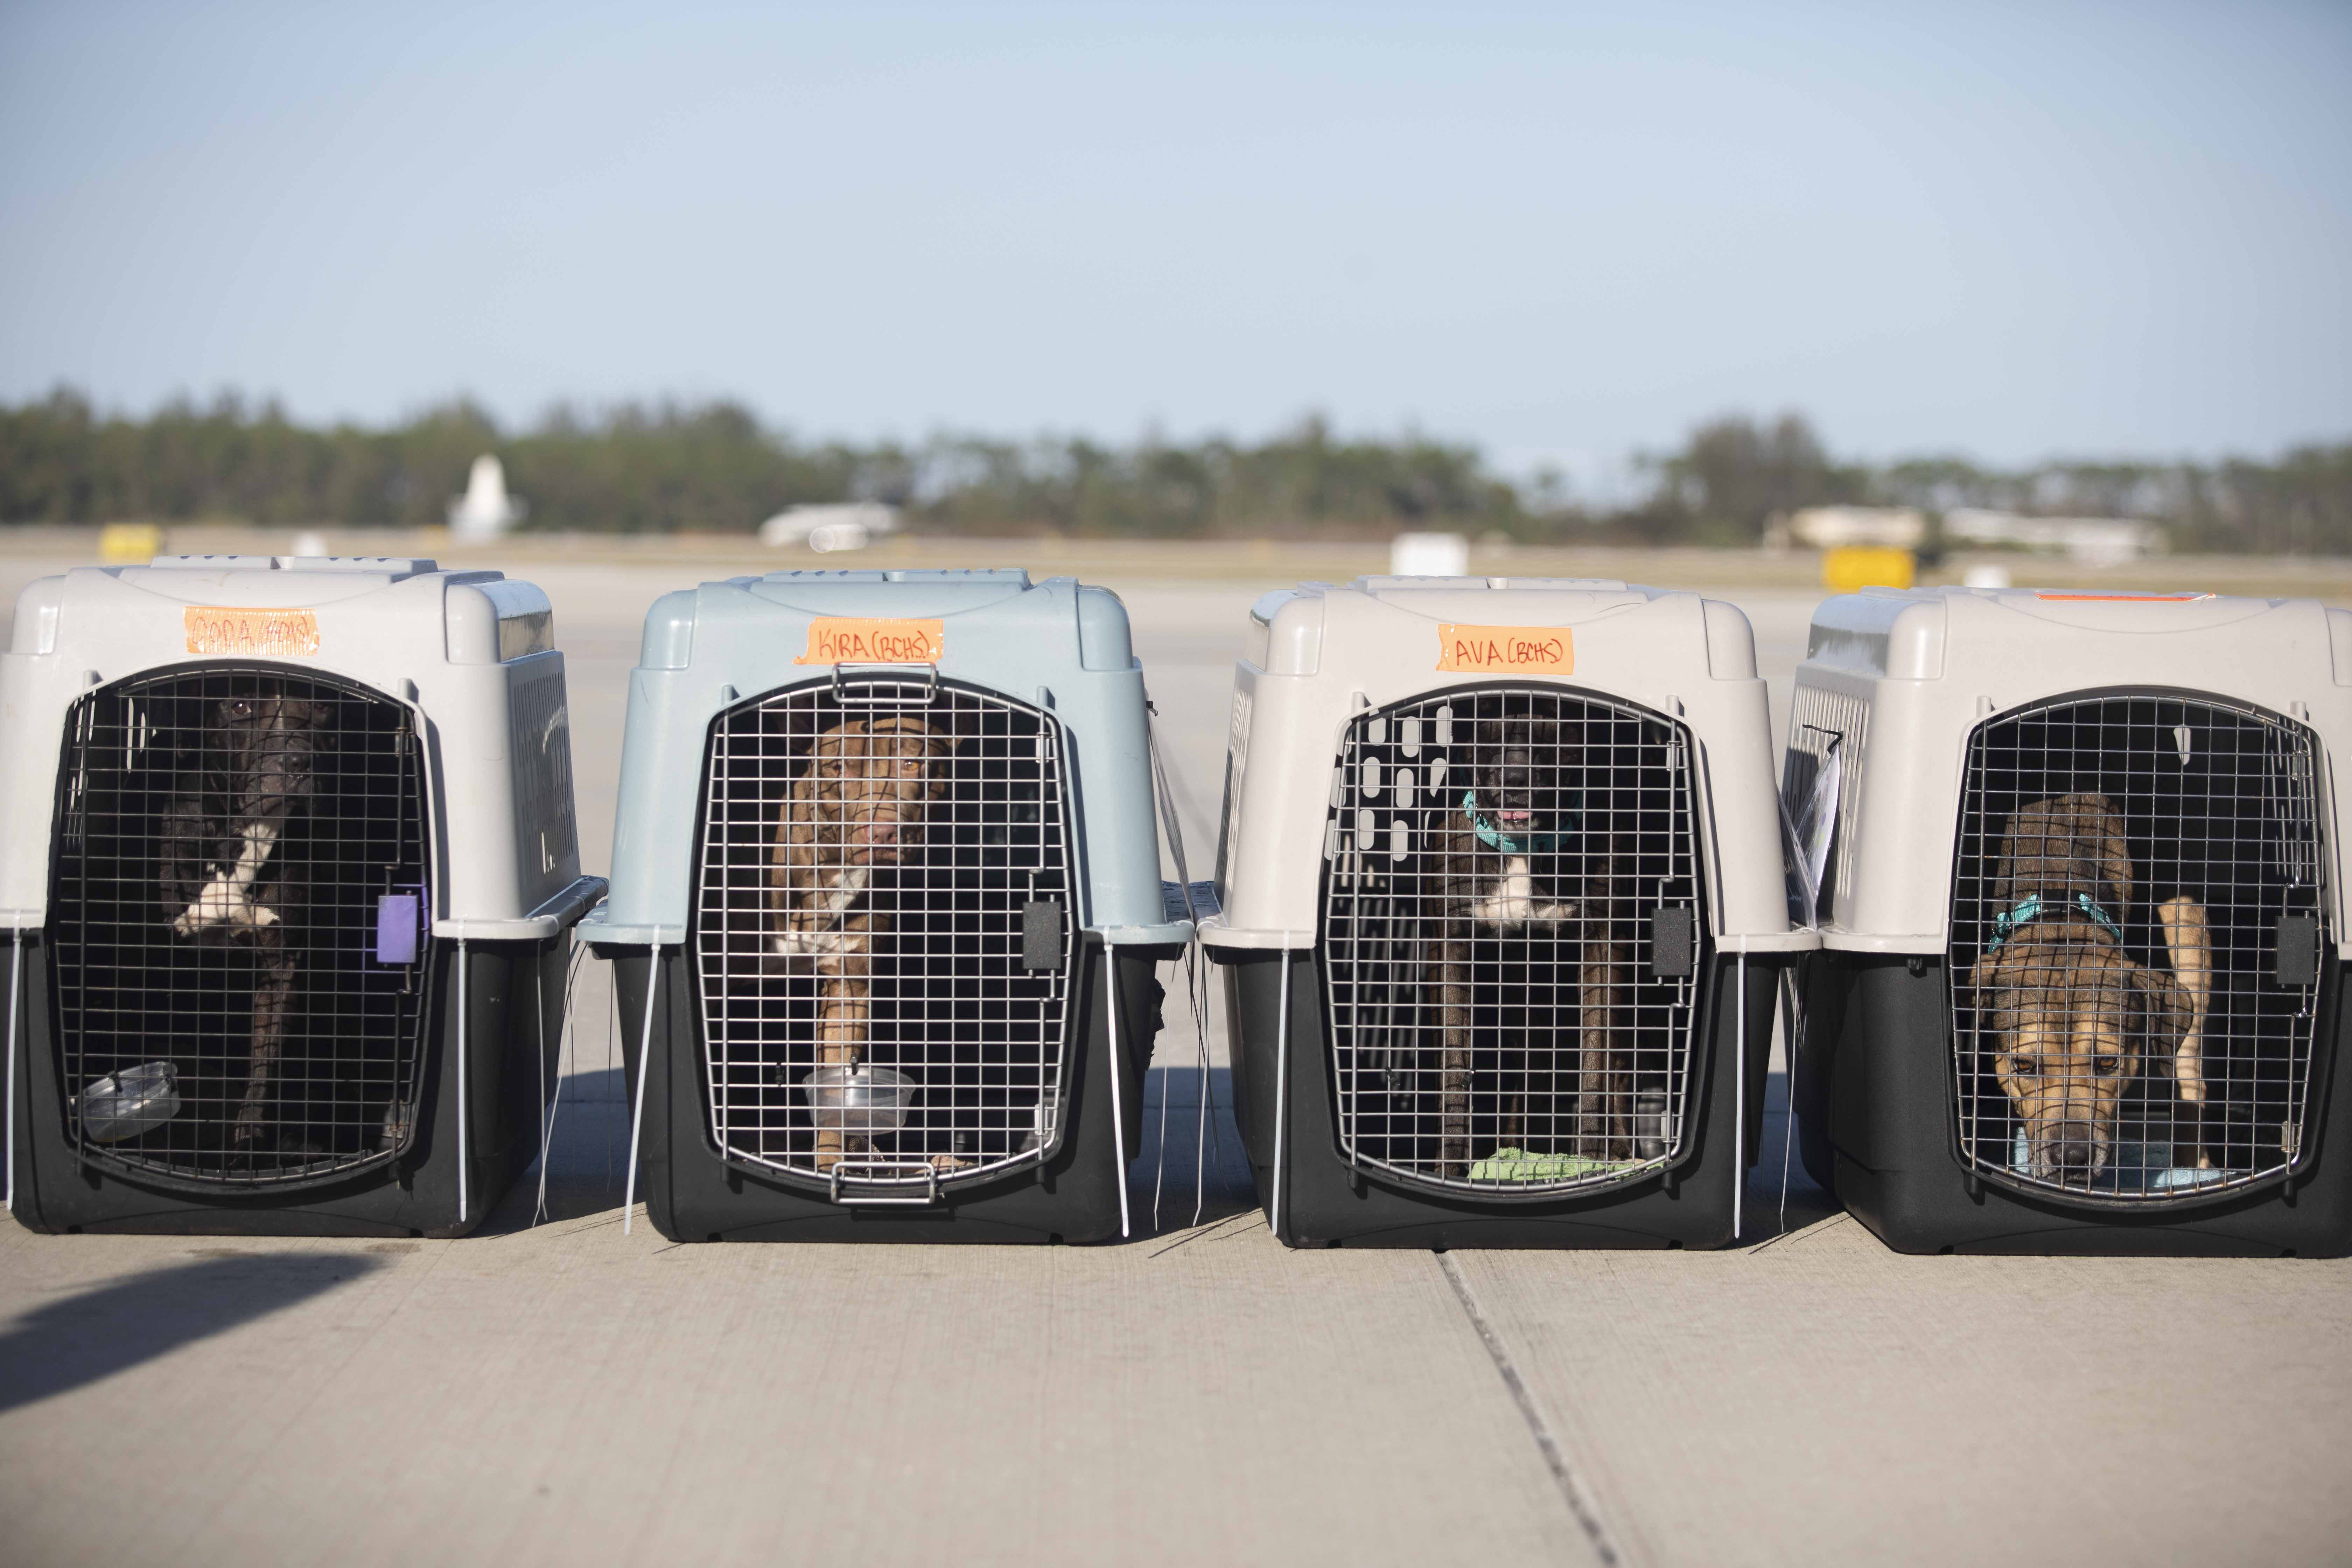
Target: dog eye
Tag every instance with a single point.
(2025, 1066)
(240, 710)
(2108, 1067)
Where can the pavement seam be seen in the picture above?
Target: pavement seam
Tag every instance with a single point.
(1571, 1491)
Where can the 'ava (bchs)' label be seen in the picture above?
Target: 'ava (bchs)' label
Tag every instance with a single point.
(843, 639)
(1505, 651)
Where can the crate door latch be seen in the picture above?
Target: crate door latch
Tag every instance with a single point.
(1041, 934)
(1674, 942)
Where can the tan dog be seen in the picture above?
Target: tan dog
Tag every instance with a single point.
(860, 806)
(2073, 1018)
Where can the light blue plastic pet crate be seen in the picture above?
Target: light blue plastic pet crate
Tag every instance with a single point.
(1050, 804)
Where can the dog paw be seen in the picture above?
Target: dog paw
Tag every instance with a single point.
(212, 909)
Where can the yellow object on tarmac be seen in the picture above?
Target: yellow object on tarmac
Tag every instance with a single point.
(1854, 567)
(129, 543)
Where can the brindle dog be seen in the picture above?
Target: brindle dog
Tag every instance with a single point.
(2073, 1018)
(858, 809)
(1543, 877)
(222, 880)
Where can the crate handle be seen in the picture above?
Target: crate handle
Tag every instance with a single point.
(897, 680)
(930, 1177)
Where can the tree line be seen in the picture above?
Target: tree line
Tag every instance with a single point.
(717, 468)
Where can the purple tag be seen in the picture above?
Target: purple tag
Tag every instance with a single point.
(396, 925)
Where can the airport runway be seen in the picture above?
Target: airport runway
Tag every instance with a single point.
(561, 1393)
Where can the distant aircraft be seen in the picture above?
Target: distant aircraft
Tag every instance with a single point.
(484, 511)
(841, 525)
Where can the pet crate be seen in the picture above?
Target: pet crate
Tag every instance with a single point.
(887, 909)
(2081, 932)
(1503, 912)
(287, 867)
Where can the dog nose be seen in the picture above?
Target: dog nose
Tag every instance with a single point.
(2073, 1145)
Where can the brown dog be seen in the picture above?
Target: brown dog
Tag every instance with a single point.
(2075, 1019)
(1511, 861)
(859, 807)
(221, 875)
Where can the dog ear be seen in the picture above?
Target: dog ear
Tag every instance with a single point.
(2165, 1011)
(1991, 972)
(2004, 877)
(2114, 856)
(799, 728)
(952, 724)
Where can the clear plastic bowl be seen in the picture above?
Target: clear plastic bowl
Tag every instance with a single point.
(127, 1103)
(862, 1100)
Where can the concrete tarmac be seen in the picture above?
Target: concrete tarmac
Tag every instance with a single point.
(561, 1393)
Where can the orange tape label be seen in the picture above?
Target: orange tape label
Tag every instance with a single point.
(263, 634)
(839, 639)
(2123, 598)
(1505, 651)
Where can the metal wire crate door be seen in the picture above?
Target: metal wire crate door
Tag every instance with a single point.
(1512, 914)
(2138, 926)
(883, 931)
(238, 913)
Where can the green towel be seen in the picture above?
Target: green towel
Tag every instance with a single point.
(1518, 1165)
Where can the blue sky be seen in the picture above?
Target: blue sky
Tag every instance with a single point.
(1558, 231)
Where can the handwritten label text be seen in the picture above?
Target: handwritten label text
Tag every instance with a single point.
(841, 639)
(1505, 651)
(258, 634)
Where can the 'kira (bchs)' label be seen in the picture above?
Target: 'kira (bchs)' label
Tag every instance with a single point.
(1505, 651)
(843, 639)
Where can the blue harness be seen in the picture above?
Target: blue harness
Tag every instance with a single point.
(2008, 922)
(1534, 844)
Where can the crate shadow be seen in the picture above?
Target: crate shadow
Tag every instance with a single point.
(83, 1338)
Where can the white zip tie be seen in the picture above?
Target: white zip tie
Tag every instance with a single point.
(16, 983)
(1173, 825)
(1792, 1032)
(1739, 1094)
(644, 1071)
(1160, 1164)
(538, 1002)
(563, 1027)
(1196, 993)
(1281, 1091)
(1118, 1106)
(464, 1000)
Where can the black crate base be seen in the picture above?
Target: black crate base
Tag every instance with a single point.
(415, 1195)
(692, 1193)
(1874, 1097)
(1326, 1203)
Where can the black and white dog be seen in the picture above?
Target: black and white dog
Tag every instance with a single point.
(1515, 857)
(224, 879)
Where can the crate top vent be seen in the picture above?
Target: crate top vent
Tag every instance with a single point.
(471, 653)
(1056, 646)
(1897, 680)
(1318, 655)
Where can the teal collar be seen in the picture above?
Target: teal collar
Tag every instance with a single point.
(1535, 844)
(2008, 922)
